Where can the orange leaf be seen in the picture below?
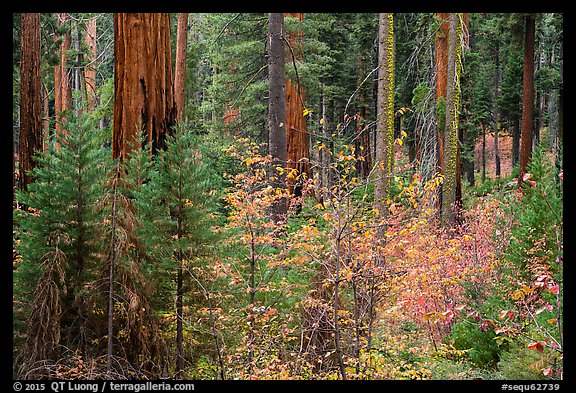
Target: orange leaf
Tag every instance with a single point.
(537, 345)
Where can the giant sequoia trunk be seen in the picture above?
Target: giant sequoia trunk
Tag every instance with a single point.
(30, 96)
(144, 108)
(297, 150)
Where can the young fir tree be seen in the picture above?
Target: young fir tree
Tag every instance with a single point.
(130, 325)
(58, 239)
(174, 208)
(539, 227)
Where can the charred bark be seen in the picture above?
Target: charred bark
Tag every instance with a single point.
(144, 106)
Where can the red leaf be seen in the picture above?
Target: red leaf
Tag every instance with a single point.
(537, 345)
(554, 289)
(421, 301)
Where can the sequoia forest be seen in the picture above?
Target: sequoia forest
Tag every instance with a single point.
(287, 196)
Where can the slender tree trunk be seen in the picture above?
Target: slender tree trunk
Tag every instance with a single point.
(441, 50)
(90, 69)
(483, 153)
(385, 113)
(516, 141)
(144, 108)
(180, 69)
(46, 117)
(180, 284)
(277, 109)
(111, 276)
(30, 141)
(527, 97)
(441, 62)
(251, 301)
(560, 138)
(77, 69)
(364, 164)
(496, 153)
(496, 117)
(62, 88)
(451, 142)
(335, 317)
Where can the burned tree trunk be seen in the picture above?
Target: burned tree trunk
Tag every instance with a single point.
(297, 146)
(144, 106)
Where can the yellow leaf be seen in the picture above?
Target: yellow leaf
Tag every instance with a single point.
(399, 141)
(518, 294)
(403, 133)
(322, 121)
(306, 112)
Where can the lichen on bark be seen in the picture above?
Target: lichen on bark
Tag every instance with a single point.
(385, 122)
(452, 119)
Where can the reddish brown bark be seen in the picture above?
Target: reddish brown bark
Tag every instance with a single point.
(144, 107)
(441, 49)
(442, 55)
(30, 96)
(180, 69)
(90, 70)
(297, 145)
(527, 97)
(62, 87)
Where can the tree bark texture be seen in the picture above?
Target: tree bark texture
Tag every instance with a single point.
(385, 112)
(144, 107)
(62, 87)
(277, 107)
(451, 141)
(31, 141)
(90, 69)
(180, 69)
(527, 97)
(297, 138)
(441, 51)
